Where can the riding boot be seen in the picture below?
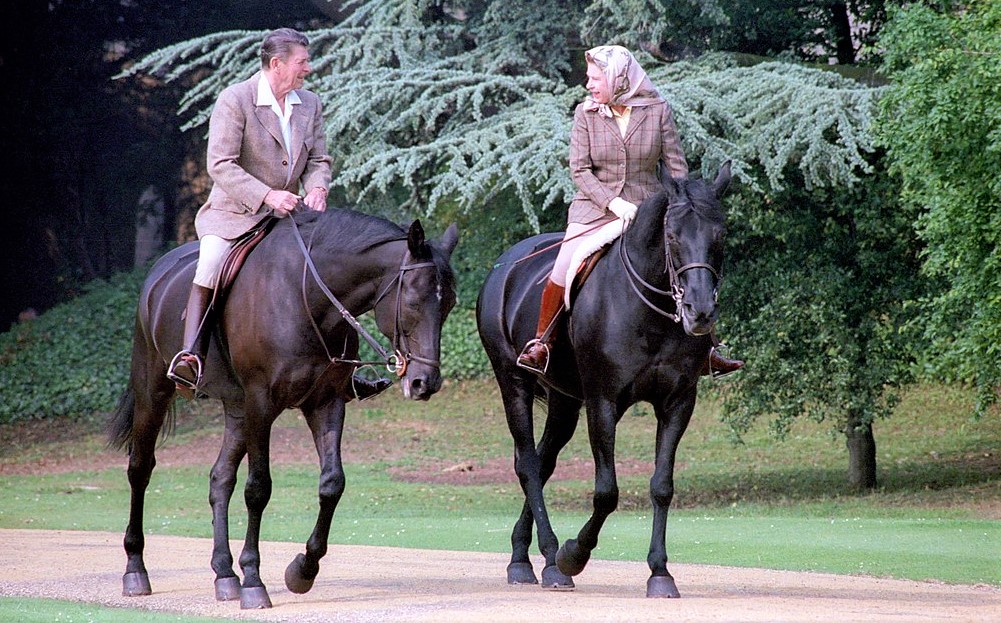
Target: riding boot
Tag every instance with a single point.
(187, 366)
(364, 389)
(535, 356)
(719, 366)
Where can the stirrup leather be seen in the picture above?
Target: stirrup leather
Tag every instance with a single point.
(194, 361)
(524, 352)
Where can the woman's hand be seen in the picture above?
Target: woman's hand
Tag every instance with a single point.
(623, 209)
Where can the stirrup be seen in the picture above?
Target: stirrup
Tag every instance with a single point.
(524, 352)
(195, 362)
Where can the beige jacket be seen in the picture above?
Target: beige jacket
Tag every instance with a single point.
(247, 158)
(604, 165)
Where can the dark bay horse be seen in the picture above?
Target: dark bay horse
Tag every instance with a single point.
(638, 331)
(280, 343)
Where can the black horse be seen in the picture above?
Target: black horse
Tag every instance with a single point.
(282, 342)
(638, 331)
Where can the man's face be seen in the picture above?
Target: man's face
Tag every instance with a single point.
(291, 72)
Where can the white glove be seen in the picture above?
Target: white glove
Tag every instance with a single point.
(623, 209)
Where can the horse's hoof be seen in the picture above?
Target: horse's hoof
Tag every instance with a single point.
(662, 586)
(295, 578)
(521, 573)
(554, 580)
(227, 589)
(136, 584)
(254, 598)
(571, 559)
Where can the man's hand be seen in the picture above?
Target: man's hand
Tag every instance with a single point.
(316, 199)
(282, 202)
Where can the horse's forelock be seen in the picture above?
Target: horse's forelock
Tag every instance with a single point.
(701, 199)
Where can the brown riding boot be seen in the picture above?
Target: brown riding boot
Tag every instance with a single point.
(186, 367)
(719, 366)
(535, 356)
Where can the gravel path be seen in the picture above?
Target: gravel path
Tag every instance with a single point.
(377, 584)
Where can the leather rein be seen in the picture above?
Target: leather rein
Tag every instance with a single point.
(677, 291)
(401, 357)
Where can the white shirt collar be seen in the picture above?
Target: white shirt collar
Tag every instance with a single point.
(265, 97)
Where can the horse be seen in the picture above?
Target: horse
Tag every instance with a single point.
(639, 330)
(285, 338)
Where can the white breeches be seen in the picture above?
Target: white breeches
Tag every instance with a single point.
(211, 253)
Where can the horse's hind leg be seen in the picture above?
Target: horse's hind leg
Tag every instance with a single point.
(672, 420)
(222, 483)
(146, 413)
(517, 398)
(326, 424)
(561, 422)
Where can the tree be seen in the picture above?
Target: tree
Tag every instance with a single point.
(941, 123)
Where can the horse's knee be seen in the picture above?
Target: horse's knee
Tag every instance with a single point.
(257, 493)
(606, 499)
(527, 467)
(662, 493)
(332, 485)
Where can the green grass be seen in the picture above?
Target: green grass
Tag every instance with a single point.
(763, 503)
(19, 610)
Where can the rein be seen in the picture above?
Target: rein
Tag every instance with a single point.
(677, 291)
(398, 361)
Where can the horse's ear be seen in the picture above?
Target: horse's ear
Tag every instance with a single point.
(415, 238)
(722, 179)
(450, 239)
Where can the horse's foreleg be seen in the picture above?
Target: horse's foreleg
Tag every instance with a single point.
(601, 421)
(222, 483)
(671, 424)
(327, 425)
(257, 494)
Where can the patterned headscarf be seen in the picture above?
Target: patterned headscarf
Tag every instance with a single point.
(629, 83)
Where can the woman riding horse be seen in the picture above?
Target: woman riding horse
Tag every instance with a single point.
(622, 134)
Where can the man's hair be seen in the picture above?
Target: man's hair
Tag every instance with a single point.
(279, 44)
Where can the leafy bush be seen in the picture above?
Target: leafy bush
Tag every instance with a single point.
(74, 359)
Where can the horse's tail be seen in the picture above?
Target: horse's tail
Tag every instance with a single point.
(119, 427)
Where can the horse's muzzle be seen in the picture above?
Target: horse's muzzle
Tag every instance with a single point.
(421, 386)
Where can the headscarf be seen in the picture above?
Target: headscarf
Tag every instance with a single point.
(629, 83)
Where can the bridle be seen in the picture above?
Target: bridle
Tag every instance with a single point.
(402, 356)
(677, 291)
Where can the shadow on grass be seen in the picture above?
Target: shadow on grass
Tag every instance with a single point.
(941, 480)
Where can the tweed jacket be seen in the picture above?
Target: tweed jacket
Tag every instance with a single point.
(604, 165)
(247, 158)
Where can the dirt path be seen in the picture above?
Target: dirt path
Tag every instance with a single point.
(376, 584)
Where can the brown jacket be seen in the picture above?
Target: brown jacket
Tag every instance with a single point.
(247, 158)
(604, 165)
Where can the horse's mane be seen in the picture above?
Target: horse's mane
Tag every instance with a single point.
(347, 231)
(697, 195)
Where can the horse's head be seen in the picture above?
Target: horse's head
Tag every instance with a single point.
(694, 228)
(412, 315)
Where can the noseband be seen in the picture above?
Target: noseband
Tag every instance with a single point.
(677, 291)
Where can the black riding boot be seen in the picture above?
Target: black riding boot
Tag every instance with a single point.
(187, 366)
(364, 388)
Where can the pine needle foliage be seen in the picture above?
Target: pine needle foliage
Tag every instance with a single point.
(454, 105)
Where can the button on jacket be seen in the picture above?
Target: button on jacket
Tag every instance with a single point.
(605, 165)
(247, 158)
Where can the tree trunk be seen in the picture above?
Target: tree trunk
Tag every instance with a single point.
(861, 453)
(842, 26)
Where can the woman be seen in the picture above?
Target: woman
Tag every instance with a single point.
(623, 134)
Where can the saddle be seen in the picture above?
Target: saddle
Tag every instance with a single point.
(238, 254)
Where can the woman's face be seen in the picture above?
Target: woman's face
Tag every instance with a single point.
(598, 85)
